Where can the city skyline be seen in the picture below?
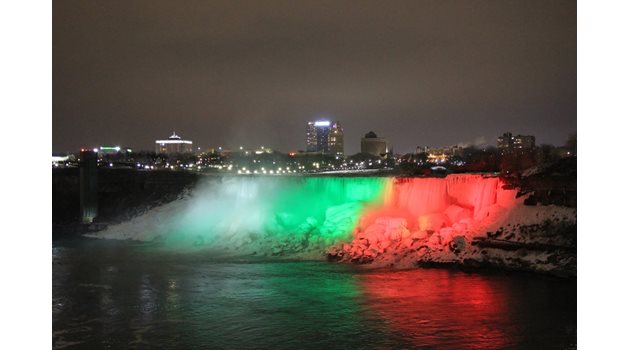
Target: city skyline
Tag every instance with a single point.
(494, 143)
(128, 73)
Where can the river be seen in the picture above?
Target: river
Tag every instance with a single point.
(122, 294)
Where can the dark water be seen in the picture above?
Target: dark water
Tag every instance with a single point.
(124, 295)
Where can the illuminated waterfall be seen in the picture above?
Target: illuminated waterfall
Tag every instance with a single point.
(287, 215)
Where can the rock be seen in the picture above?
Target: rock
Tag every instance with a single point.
(407, 242)
(431, 222)
(456, 213)
(393, 235)
(457, 244)
(391, 222)
(416, 244)
(374, 233)
(422, 251)
(369, 253)
(459, 227)
(446, 234)
(420, 235)
(435, 240)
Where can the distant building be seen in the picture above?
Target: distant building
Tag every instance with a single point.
(505, 142)
(440, 155)
(174, 144)
(311, 137)
(524, 142)
(113, 150)
(508, 143)
(335, 140)
(324, 137)
(374, 145)
(421, 149)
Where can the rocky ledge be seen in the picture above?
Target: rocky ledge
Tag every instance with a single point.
(538, 239)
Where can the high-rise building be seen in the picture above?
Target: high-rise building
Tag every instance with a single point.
(508, 143)
(174, 144)
(374, 145)
(335, 140)
(325, 137)
(311, 137)
(524, 142)
(505, 142)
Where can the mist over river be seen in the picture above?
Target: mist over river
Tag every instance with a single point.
(125, 294)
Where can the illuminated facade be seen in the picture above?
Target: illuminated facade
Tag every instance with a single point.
(174, 144)
(335, 140)
(524, 142)
(325, 137)
(113, 150)
(374, 145)
(508, 143)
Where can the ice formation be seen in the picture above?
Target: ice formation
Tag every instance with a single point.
(385, 221)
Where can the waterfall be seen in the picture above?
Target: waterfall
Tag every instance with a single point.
(283, 215)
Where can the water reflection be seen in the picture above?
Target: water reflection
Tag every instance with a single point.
(120, 295)
(438, 309)
(452, 309)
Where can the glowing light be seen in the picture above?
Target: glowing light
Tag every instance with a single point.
(163, 142)
(59, 159)
(322, 123)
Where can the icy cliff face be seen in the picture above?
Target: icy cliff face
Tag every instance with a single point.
(383, 221)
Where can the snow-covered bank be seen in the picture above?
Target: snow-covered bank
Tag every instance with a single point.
(528, 238)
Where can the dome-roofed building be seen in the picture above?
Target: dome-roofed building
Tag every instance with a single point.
(374, 145)
(174, 144)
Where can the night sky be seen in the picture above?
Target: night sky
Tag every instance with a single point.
(230, 73)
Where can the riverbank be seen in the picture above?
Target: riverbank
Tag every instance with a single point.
(540, 239)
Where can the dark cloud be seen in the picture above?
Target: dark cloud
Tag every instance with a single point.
(252, 73)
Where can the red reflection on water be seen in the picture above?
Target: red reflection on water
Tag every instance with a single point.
(441, 308)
